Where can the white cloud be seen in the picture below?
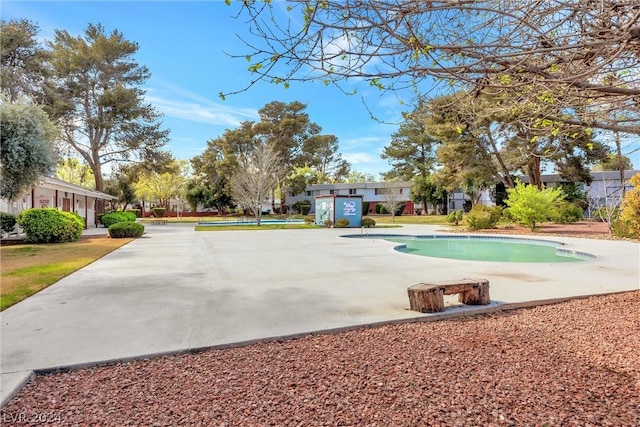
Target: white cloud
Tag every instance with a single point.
(360, 157)
(371, 142)
(366, 162)
(364, 153)
(176, 102)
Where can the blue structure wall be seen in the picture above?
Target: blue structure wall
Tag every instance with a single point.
(338, 207)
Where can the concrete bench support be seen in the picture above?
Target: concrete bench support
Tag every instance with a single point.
(429, 297)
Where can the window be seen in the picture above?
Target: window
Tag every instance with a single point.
(332, 191)
(308, 193)
(352, 191)
(378, 191)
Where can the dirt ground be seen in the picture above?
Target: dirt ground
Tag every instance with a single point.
(583, 229)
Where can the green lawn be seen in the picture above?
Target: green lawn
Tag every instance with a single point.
(382, 221)
(27, 269)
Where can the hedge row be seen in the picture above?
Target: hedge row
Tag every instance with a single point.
(116, 217)
(49, 225)
(126, 229)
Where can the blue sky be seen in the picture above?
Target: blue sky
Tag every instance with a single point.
(183, 43)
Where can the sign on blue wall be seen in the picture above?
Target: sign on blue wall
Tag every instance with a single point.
(334, 208)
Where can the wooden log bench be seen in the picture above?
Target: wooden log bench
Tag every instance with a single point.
(429, 297)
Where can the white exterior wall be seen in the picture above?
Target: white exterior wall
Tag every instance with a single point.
(456, 201)
(17, 206)
(606, 189)
(80, 200)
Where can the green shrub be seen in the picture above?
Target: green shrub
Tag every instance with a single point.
(302, 206)
(309, 220)
(328, 223)
(126, 229)
(479, 220)
(365, 207)
(116, 217)
(49, 225)
(379, 208)
(483, 217)
(622, 228)
(99, 217)
(506, 213)
(136, 212)
(158, 212)
(342, 223)
(573, 193)
(7, 222)
(606, 213)
(451, 217)
(530, 206)
(455, 217)
(567, 213)
(368, 222)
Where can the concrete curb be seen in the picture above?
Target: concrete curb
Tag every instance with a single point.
(12, 383)
(17, 380)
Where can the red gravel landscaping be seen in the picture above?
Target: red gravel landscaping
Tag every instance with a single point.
(571, 364)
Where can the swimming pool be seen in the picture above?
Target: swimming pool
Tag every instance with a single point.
(484, 248)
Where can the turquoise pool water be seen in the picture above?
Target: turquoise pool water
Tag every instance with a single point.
(481, 248)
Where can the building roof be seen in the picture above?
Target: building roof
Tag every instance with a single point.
(58, 184)
(596, 176)
(348, 185)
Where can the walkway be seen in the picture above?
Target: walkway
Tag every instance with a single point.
(176, 289)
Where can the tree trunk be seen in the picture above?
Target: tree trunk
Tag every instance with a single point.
(506, 179)
(620, 163)
(96, 168)
(535, 175)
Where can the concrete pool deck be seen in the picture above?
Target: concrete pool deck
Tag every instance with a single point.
(177, 290)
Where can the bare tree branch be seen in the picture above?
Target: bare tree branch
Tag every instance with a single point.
(584, 52)
(256, 175)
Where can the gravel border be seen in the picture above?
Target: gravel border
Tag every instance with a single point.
(573, 363)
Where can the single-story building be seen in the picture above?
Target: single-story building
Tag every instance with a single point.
(55, 193)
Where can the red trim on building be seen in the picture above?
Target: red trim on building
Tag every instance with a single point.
(409, 208)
